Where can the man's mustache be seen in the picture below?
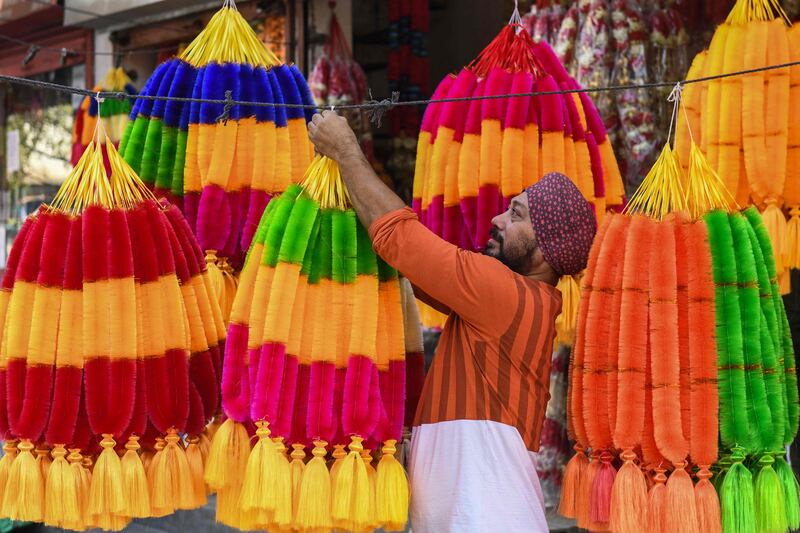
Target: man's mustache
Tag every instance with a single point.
(495, 234)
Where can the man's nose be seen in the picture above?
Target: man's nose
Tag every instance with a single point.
(498, 222)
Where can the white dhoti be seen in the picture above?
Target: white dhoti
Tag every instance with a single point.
(473, 476)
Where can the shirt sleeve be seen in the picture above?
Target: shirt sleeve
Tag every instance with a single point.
(478, 288)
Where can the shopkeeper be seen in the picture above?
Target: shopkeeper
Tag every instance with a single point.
(484, 399)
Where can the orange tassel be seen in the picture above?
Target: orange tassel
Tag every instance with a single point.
(584, 496)
(657, 504)
(629, 497)
(681, 511)
(709, 519)
(573, 473)
(601, 490)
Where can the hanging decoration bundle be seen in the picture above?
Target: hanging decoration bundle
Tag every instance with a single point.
(108, 336)
(746, 126)
(709, 361)
(315, 361)
(114, 114)
(221, 163)
(474, 156)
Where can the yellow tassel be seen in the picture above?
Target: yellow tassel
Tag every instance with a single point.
(775, 223)
(43, 460)
(62, 506)
(338, 455)
(205, 447)
(195, 457)
(566, 321)
(134, 485)
(259, 477)
(24, 494)
(110, 522)
(283, 487)
(350, 504)
(154, 465)
(391, 490)
(105, 492)
(792, 245)
(10, 449)
(372, 523)
(215, 276)
(81, 492)
(85, 473)
(228, 511)
(314, 507)
(172, 479)
(231, 283)
(227, 458)
(297, 469)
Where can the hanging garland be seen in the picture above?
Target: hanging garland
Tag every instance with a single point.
(221, 173)
(315, 359)
(91, 292)
(745, 123)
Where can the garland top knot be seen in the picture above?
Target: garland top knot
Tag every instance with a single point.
(745, 11)
(227, 38)
(323, 183)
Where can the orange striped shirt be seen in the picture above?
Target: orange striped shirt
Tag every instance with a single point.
(493, 359)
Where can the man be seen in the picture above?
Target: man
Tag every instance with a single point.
(484, 399)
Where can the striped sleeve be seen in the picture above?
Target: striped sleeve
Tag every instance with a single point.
(477, 288)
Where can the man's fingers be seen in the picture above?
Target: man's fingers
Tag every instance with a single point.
(316, 119)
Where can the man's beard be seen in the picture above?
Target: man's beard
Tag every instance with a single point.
(515, 262)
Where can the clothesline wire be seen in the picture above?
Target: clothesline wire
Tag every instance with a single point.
(75, 52)
(381, 106)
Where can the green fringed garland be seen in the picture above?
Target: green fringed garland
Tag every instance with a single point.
(790, 377)
(298, 230)
(277, 227)
(313, 244)
(367, 260)
(785, 357)
(134, 147)
(736, 497)
(730, 357)
(758, 414)
(180, 161)
(166, 158)
(769, 343)
(321, 264)
(152, 149)
(263, 227)
(126, 135)
(345, 243)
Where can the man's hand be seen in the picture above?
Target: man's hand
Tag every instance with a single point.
(332, 136)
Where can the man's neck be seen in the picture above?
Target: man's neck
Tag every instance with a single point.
(543, 273)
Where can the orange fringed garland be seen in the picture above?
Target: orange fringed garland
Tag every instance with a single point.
(629, 495)
(597, 370)
(704, 424)
(577, 468)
